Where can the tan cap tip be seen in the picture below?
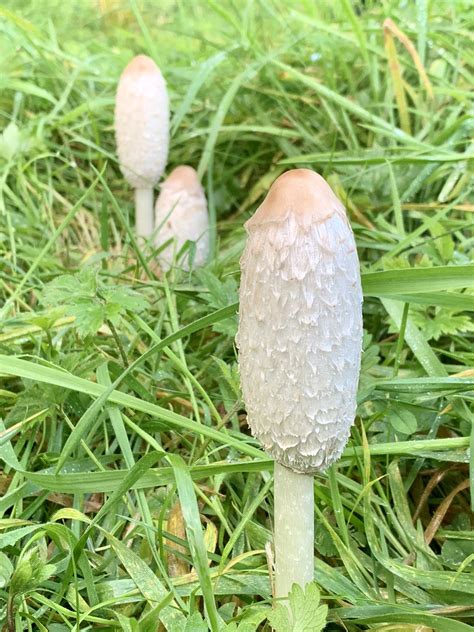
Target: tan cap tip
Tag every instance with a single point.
(300, 192)
(139, 65)
(183, 178)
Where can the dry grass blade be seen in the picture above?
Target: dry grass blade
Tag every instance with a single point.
(440, 513)
(389, 25)
(177, 566)
(435, 479)
(396, 72)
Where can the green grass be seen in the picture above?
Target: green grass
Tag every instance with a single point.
(101, 434)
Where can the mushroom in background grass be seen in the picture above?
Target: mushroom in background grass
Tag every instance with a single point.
(299, 340)
(180, 216)
(142, 134)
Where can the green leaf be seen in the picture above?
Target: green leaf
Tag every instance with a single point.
(402, 420)
(67, 287)
(250, 620)
(7, 453)
(426, 384)
(31, 572)
(414, 280)
(398, 613)
(13, 536)
(457, 301)
(89, 301)
(147, 583)
(323, 540)
(190, 508)
(241, 627)
(443, 242)
(457, 552)
(6, 570)
(229, 373)
(89, 317)
(127, 624)
(125, 298)
(303, 613)
(10, 141)
(416, 340)
(220, 294)
(195, 623)
(145, 579)
(438, 322)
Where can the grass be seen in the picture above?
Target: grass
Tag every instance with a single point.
(105, 429)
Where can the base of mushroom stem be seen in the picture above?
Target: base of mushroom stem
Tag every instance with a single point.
(294, 529)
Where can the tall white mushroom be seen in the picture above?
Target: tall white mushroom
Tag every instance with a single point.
(180, 216)
(299, 339)
(142, 134)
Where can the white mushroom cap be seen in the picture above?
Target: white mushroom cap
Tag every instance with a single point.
(181, 215)
(300, 329)
(142, 123)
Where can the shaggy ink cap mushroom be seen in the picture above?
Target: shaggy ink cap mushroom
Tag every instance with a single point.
(181, 215)
(300, 323)
(142, 123)
(142, 134)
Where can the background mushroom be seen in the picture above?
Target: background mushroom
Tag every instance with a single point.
(299, 339)
(142, 134)
(180, 216)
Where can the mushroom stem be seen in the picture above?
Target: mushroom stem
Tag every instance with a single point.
(144, 212)
(294, 529)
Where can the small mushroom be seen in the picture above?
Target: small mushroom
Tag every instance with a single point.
(180, 216)
(299, 340)
(142, 134)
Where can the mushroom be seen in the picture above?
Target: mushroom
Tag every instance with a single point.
(142, 134)
(180, 216)
(299, 340)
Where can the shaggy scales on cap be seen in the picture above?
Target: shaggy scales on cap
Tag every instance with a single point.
(300, 331)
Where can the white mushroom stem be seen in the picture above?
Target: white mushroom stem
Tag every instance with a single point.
(294, 529)
(144, 212)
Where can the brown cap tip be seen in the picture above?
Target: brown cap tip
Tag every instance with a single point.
(302, 193)
(140, 65)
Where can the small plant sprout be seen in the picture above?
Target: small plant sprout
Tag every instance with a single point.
(181, 216)
(299, 339)
(142, 134)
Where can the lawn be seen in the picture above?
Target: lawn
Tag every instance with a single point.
(133, 495)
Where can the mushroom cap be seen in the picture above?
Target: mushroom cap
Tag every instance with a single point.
(183, 178)
(301, 192)
(181, 215)
(142, 123)
(300, 323)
